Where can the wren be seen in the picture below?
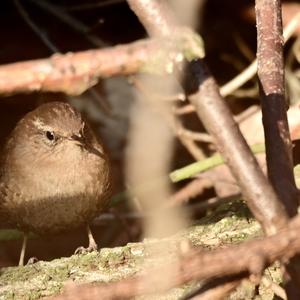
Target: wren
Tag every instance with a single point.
(54, 173)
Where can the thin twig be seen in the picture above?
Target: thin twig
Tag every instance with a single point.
(246, 113)
(182, 110)
(243, 47)
(88, 6)
(191, 190)
(246, 93)
(250, 71)
(188, 142)
(204, 205)
(181, 131)
(196, 136)
(70, 21)
(37, 30)
(216, 289)
(191, 146)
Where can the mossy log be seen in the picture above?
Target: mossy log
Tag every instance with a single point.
(230, 223)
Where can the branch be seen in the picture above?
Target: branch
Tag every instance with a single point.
(270, 69)
(271, 77)
(155, 16)
(73, 73)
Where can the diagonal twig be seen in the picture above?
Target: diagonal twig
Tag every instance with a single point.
(87, 6)
(42, 35)
(70, 21)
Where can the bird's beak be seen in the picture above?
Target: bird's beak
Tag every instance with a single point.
(81, 142)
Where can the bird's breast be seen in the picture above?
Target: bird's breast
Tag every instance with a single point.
(58, 197)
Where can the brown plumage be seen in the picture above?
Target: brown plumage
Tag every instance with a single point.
(55, 175)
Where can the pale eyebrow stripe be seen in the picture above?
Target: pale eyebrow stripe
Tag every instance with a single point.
(41, 125)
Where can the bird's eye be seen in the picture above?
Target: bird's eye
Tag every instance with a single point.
(50, 136)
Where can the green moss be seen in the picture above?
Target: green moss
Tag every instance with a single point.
(230, 223)
(191, 44)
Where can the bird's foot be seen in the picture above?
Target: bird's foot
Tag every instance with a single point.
(31, 261)
(92, 244)
(83, 250)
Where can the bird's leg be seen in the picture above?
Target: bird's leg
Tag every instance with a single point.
(92, 243)
(23, 249)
